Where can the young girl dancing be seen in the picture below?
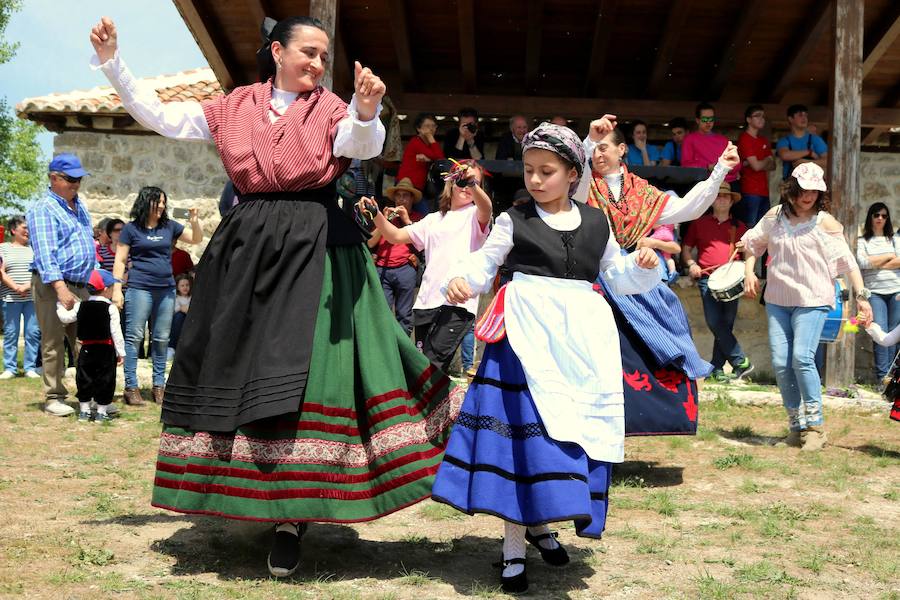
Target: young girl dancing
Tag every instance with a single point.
(544, 416)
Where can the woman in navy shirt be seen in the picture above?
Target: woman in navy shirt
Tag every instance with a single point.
(147, 242)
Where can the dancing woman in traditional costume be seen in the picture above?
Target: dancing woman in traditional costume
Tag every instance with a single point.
(294, 396)
(543, 419)
(661, 363)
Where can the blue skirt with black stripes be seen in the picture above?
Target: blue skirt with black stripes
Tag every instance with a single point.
(500, 460)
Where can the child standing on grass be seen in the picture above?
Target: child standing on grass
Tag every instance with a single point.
(544, 418)
(184, 283)
(102, 347)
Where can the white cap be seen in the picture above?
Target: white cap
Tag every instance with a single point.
(810, 176)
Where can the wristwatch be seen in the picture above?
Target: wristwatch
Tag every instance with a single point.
(863, 294)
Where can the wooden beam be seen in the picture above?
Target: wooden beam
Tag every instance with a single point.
(257, 10)
(727, 57)
(533, 47)
(327, 12)
(652, 111)
(400, 34)
(215, 51)
(675, 23)
(466, 25)
(891, 99)
(877, 42)
(603, 27)
(343, 67)
(843, 156)
(796, 57)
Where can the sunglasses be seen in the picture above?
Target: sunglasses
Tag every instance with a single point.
(464, 183)
(880, 216)
(116, 229)
(69, 178)
(707, 119)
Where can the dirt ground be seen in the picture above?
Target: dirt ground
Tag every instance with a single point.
(724, 514)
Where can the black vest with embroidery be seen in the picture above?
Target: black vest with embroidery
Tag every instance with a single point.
(538, 249)
(93, 321)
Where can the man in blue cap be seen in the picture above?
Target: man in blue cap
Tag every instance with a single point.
(64, 257)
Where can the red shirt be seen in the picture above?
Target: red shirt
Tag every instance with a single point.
(755, 183)
(415, 170)
(395, 255)
(181, 262)
(713, 240)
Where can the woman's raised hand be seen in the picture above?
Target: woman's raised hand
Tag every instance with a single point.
(369, 91)
(104, 39)
(602, 126)
(730, 157)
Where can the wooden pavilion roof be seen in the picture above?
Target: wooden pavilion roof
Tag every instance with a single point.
(652, 59)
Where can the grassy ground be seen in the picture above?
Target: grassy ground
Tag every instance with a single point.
(725, 514)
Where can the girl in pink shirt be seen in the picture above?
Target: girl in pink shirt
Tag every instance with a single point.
(459, 227)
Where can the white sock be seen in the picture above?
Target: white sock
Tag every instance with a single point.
(549, 543)
(85, 407)
(101, 409)
(513, 547)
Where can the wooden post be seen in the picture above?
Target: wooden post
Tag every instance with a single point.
(326, 11)
(843, 157)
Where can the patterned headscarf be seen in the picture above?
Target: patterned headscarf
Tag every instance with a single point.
(560, 140)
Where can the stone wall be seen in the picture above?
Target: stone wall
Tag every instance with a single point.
(189, 172)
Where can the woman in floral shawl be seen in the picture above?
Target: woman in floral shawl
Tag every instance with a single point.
(660, 362)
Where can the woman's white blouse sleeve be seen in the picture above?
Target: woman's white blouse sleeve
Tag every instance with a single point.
(621, 272)
(696, 201)
(480, 267)
(359, 139)
(880, 337)
(178, 120)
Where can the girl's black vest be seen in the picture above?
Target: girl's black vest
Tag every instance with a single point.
(93, 321)
(538, 249)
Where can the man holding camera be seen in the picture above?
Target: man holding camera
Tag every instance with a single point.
(467, 141)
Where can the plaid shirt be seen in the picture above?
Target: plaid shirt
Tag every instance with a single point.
(62, 239)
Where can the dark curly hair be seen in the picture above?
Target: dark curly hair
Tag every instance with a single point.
(145, 203)
(791, 190)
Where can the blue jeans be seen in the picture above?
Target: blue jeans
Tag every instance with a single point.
(752, 209)
(720, 317)
(467, 349)
(794, 333)
(399, 285)
(13, 312)
(139, 306)
(885, 312)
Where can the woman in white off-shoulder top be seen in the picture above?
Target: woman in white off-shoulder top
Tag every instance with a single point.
(808, 252)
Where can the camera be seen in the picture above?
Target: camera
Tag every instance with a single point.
(472, 127)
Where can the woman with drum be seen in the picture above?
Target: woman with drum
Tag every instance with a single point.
(720, 280)
(878, 255)
(660, 360)
(808, 251)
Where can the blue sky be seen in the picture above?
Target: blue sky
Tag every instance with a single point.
(55, 50)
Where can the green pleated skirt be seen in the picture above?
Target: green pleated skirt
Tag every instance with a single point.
(366, 440)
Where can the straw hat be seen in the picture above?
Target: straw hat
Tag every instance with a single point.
(406, 185)
(724, 188)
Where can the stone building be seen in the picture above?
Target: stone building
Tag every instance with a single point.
(122, 156)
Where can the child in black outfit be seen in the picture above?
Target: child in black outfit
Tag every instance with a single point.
(102, 347)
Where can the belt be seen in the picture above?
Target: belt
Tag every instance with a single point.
(108, 342)
(67, 281)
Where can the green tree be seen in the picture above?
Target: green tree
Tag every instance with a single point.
(21, 163)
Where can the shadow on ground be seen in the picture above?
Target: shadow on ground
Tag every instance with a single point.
(652, 474)
(237, 550)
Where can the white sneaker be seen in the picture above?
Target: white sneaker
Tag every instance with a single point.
(58, 409)
(7, 375)
(32, 375)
